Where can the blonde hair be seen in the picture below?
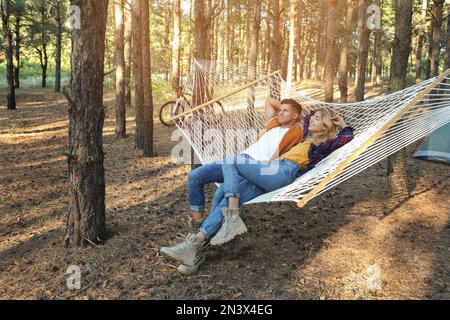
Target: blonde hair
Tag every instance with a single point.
(331, 129)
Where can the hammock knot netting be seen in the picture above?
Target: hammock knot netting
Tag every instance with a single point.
(226, 111)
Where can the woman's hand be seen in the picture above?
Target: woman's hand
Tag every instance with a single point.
(339, 121)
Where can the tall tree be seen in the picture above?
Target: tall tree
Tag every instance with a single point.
(200, 48)
(419, 50)
(377, 51)
(343, 62)
(7, 37)
(437, 13)
(290, 64)
(253, 46)
(300, 40)
(430, 49)
(321, 39)
(254, 33)
(447, 46)
(397, 178)
(128, 53)
(86, 216)
(276, 44)
(176, 47)
(147, 107)
(58, 46)
(137, 71)
(330, 50)
(119, 39)
(363, 50)
(168, 19)
(18, 10)
(40, 29)
(267, 49)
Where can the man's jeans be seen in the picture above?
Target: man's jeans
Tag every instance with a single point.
(201, 176)
(213, 222)
(267, 176)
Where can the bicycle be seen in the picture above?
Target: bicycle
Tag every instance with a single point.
(173, 108)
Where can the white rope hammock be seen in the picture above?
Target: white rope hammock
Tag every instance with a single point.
(229, 113)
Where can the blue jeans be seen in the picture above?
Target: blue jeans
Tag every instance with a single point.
(268, 176)
(198, 178)
(213, 222)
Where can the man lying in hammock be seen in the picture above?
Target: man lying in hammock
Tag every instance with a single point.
(244, 180)
(281, 133)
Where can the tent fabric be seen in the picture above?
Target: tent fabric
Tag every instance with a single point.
(437, 146)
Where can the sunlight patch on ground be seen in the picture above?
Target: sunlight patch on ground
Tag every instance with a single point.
(346, 261)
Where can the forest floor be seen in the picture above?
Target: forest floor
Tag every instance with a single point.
(335, 248)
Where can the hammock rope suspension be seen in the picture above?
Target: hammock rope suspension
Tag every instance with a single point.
(229, 110)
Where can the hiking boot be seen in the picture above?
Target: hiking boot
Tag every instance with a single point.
(184, 252)
(232, 226)
(194, 225)
(188, 270)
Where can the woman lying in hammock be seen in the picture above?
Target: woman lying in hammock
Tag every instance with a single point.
(246, 179)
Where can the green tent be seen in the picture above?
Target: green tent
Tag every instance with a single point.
(437, 146)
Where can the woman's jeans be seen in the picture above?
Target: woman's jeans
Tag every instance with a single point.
(264, 178)
(212, 172)
(267, 176)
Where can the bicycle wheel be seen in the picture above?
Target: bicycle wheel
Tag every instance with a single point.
(166, 113)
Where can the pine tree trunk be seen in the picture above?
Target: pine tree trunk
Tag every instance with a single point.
(128, 54)
(176, 48)
(190, 37)
(363, 50)
(276, 44)
(430, 51)
(330, 50)
(377, 58)
(343, 61)
(290, 64)
(44, 42)
(167, 17)
(58, 48)
(248, 24)
(318, 56)
(304, 54)
(397, 177)
(420, 41)
(224, 40)
(321, 41)
(147, 108)
(285, 42)
(7, 37)
(300, 41)
(120, 68)
(17, 51)
(447, 46)
(377, 52)
(267, 54)
(231, 52)
(240, 35)
(86, 217)
(44, 64)
(438, 6)
(201, 38)
(253, 46)
(254, 34)
(200, 49)
(137, 71)
(209, 27)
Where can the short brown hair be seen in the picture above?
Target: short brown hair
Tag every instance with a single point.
(293, 104)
